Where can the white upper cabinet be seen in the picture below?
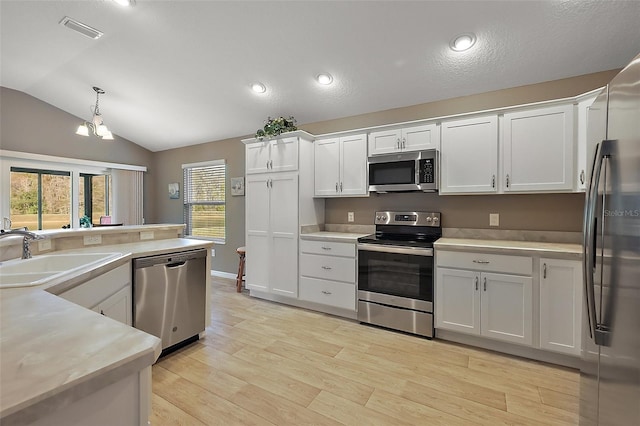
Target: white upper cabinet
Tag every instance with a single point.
(538, 150)
(341, 166)
(275, 155)
(592, 129)
(469, 155)
(415, 138)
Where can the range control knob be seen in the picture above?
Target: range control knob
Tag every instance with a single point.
(435, 219)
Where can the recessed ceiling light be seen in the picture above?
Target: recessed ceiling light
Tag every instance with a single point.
(258, 87)
(125, 2)
(324, 79)
(462, 42)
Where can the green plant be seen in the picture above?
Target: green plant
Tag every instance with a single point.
(275, 126)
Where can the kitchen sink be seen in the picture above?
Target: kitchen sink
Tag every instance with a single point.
(41, 269)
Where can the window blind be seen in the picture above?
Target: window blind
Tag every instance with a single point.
(204, 191)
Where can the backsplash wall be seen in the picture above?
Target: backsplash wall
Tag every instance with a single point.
(536, 212)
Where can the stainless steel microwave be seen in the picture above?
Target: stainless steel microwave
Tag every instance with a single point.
(407, 171)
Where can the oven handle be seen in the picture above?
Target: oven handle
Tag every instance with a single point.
(414, 251)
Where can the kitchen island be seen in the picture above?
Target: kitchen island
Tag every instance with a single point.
(61, 363)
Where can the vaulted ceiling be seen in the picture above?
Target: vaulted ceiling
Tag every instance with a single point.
(178, 73)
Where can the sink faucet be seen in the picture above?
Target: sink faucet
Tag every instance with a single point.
(27, 237)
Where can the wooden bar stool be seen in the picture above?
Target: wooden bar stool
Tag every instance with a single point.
(242, 253)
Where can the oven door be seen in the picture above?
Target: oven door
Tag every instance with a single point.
(396, 276)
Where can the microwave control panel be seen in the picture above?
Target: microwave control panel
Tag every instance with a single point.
(427, 170)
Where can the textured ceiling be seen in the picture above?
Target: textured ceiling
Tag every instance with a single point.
(178, 73)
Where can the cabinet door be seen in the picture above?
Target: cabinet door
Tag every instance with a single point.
(560, 305)
(284, 154)
(257, 157)
(457, 304)
(257, 232)
(420, 137)
(539, 150)
(469, 155)
(596, 131)
(283, 248)
(327, 167)
(584, 112)
(117, 306)
(507, 307)
(384, 141)
(353, 165)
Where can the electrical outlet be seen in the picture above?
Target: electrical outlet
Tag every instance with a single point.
(494, 219)
(146, 235)
(44, 245)
(350, 217)
(92, 239)
(213, 252)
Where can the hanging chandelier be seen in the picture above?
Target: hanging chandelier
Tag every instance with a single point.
(96, 125)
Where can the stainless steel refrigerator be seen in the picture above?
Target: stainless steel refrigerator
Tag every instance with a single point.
(610, 371)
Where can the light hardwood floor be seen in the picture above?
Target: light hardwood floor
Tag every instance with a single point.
(262, 363)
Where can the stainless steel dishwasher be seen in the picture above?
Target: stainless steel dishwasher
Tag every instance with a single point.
(169, 296)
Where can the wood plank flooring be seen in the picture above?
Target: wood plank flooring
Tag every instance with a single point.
(262, 363)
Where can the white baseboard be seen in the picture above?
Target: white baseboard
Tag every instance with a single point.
(223, 274)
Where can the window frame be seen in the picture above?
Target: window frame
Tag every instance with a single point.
(186, 205)
(25, 160)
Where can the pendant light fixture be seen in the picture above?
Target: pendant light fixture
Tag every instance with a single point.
(96, 125)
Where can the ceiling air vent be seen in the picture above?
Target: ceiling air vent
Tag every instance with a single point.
(83, 29)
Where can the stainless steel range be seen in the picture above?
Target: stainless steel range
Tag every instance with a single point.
(395, 272)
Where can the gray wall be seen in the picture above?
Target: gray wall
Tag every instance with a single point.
(168, 165)
(30, 125)
(54, 135)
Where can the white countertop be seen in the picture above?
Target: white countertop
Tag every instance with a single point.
(563, 250)
(52, 350)
(332, 236)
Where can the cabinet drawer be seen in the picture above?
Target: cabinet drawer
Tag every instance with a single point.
(328, 267)
(100, 288)
(521, 265)
(328, 247)
(332, 293)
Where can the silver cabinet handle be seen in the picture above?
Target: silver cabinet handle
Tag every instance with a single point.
(267, 164)
(482, 262)
(271, 164)
(336, 187)
(340, 186)
(326, 292)
(267, 182)
(507, 181)
(326, 248)
(476, 283)
(544, 271)
(326, 268)
(493, 181)
(582, 176)
(485, 283)
(404, 141)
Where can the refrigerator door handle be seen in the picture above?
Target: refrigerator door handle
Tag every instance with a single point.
(598, 331)
(588, 246)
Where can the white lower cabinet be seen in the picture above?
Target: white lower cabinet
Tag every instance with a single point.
(561, 305)
(109, 294)
(328, 273)
(491, 304)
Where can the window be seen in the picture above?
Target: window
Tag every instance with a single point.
(40, 199)
(204, 199)
(94, 196)
(47, 192)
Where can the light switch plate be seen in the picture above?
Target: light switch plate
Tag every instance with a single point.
(350, 217)
(146, 235)
(92, 239)
(44, 245)
(494, 219)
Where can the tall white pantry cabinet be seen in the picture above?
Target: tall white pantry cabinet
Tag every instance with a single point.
(279, 191)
